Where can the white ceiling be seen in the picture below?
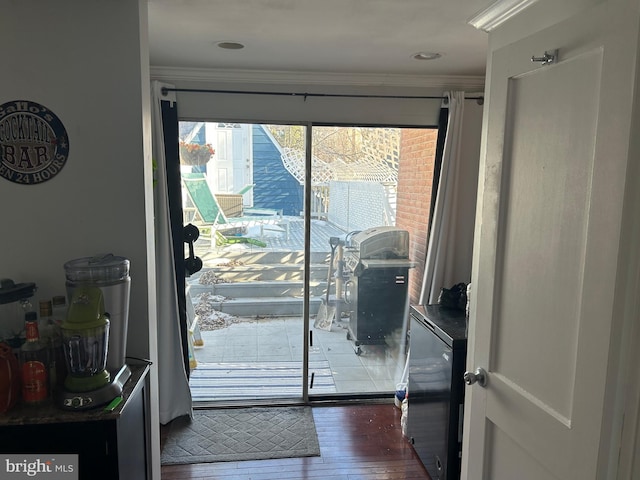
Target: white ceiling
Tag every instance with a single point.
(377, 37)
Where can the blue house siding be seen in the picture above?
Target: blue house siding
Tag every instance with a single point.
(274, 187)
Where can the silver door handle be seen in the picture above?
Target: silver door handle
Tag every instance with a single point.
(479, 377)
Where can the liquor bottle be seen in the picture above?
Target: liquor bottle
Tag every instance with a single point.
(44, 322)
(51, 335)
(60, 310)
(9, 378)
(27, 307)
(34, 364)
(59, 303)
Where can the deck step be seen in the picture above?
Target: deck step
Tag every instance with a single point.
(274, 288)
(263, 283)
(276, 306)
(269, 257)
(263, 272)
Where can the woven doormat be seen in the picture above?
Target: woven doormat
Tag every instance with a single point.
(239, 434)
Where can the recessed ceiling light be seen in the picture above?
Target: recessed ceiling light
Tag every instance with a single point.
(426, 55)
(230, 45)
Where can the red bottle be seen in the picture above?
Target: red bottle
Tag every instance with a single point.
(9, 378)
(34, 360)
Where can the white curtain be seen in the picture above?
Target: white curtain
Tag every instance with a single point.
(175, 395)
(441, 265)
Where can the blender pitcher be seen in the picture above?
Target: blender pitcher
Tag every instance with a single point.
(85, 338)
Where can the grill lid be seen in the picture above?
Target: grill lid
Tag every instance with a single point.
(381, 243)
(379, 247)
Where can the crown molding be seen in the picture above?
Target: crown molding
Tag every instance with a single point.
(275, 77)
(498, 13)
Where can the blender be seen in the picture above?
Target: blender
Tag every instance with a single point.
(85, 338)
(110, 273)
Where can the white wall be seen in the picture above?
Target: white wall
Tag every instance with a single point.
(467, 190)
(85, 61)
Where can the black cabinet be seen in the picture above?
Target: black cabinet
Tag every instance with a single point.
(110, 445)
(438, 350)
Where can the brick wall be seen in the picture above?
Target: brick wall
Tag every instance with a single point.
(415, 178)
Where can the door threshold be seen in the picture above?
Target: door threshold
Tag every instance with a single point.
(326, 400)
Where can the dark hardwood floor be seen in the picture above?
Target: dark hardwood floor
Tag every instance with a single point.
(357, 442)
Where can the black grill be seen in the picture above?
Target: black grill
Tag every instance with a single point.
(376, 292)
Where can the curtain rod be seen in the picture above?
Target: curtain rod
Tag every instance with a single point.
(165, 90)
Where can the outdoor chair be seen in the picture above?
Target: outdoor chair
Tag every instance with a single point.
(205, 210)
(233, 203)
(254, 210)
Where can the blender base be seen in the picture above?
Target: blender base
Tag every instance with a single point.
(94, 398)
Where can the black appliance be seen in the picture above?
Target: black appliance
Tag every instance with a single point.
(376, 292)
(438, 352)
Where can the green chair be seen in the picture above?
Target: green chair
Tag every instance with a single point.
(205, 210)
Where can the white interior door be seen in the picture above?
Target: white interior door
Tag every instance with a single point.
(546, 253)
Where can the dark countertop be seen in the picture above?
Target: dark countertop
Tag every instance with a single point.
(452, 322)
(50, 413)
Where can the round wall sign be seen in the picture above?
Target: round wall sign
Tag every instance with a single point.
(34, 145)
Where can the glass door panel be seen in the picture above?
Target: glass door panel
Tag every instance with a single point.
(367, 179)
(247, 302)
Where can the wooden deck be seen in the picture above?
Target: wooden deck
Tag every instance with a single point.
(257, 381)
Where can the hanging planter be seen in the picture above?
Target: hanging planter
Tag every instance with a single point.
(195, 154)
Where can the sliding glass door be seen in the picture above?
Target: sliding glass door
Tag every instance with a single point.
(278, 283)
